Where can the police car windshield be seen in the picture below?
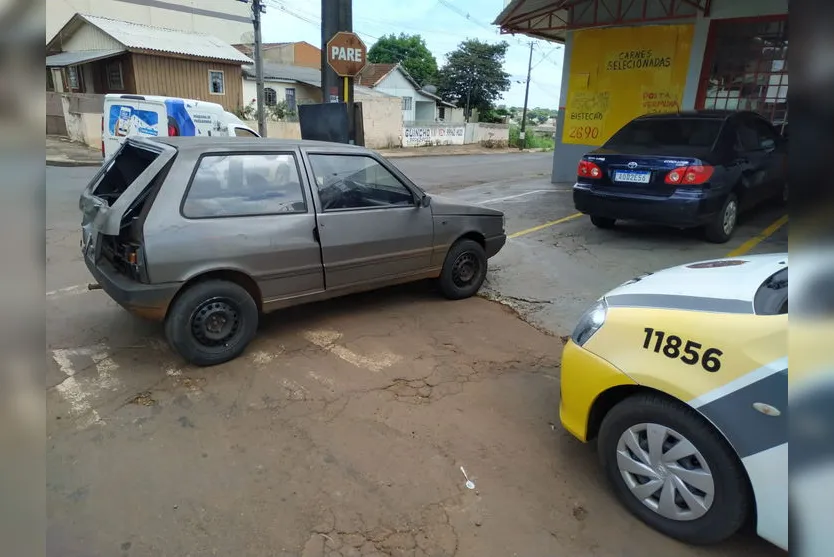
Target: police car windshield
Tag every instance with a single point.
(663, 132)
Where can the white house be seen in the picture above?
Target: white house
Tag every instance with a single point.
(293, 84)
(418, 105)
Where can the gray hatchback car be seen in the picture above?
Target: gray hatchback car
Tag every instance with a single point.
(207, 234)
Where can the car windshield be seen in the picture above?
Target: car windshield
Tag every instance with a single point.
(772, 296)
(664, 132)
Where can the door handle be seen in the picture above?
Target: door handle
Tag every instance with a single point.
(316, 236)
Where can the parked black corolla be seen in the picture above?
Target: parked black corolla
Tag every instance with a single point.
(687, 169)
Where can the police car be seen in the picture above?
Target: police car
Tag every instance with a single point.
(681, 376)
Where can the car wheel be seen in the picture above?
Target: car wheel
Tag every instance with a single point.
(464, 270)
(673, 470)
(602, 222)
(212, 322)
(723, 224)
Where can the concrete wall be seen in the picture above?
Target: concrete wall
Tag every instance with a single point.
(382, 119)
(81, 114)
(566, 156)
(227, 21)
(481, 132)
(55, 121)
(433, 134)
(278, 130)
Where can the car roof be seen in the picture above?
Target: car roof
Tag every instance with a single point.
(182, 143)
(700, 114)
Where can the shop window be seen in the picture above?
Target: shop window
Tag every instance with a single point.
(746, 67)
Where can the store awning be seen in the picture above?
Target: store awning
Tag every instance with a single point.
(80, 57)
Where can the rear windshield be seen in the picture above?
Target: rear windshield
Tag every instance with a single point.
(125, 167)
(772, 296)
(662, 132)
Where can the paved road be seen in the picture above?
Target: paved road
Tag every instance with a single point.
(342, 430)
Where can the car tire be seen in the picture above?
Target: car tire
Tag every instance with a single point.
(212, 322)
(723, 224)
(603, 222)
(727, 509)
(464, 270)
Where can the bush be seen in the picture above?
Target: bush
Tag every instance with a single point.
(532, 139)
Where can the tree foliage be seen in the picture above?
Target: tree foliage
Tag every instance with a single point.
(475, 70)
(409, 50)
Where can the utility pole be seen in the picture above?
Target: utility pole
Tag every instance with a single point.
(336, 15)
(257, 9)
(522, 139)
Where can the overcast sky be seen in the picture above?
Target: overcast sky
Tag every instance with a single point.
(442, 23)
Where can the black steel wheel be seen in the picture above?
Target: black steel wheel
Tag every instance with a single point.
(212, 322)
(464, 270)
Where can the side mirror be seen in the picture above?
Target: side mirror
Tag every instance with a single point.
(425, 201)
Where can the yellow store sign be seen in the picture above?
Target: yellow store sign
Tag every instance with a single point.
(619, 73)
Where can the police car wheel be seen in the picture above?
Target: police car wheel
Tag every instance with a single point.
(673, 470)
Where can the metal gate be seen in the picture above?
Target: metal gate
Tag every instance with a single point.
(746, 67)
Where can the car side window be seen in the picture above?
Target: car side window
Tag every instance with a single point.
(244, 185)
(357, 182)
(767, 137)
(748, 139)
(242, 132)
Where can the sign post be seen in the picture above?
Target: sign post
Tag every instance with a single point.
(347, 55)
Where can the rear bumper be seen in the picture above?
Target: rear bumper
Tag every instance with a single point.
(493, 245)
(149, 301)
(683, 208)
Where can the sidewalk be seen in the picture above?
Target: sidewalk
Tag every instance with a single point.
(60, 151)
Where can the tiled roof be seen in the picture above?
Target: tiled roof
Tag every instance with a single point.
(372, 74)
(144, 37)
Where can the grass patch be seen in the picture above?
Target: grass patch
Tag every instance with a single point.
(532, 140)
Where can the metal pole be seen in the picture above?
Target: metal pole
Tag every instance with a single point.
(522, 138)
(257, 9)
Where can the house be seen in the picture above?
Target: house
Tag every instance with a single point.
(98, 55)
(418, 104)
(292, 84)
(299, 53)
(228, 21)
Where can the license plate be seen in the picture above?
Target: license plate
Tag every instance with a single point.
(632, 176)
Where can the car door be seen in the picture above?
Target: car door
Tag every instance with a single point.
(755, 155)
(248, 212)
(371, 225)
(775, 158)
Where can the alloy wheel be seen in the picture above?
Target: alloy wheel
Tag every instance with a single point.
(730, 216)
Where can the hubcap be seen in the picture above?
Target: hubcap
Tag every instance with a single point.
(465, 269)
(730, 214)
(215, 322)
(665, 472)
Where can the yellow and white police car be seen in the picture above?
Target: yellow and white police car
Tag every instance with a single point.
(682, 378)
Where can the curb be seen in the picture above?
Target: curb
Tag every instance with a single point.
(71, 163)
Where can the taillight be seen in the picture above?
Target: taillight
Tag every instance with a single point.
(587, 169)
(172, 130)
(689, 175)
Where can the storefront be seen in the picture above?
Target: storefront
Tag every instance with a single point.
(624, 59)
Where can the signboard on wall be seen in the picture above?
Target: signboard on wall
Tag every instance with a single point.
(620, 73)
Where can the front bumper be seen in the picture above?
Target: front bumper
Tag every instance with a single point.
(149, 301)
(684, 208)
(584, 378)
(493, 245)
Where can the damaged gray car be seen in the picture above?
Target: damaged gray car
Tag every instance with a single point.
(207, 234)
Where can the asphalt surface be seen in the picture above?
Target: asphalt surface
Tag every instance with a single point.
(342, 430)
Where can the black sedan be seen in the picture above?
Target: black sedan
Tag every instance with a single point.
(687, 169)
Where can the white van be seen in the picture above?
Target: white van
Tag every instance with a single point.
(155, 116)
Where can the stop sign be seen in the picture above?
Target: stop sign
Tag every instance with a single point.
(346, 53)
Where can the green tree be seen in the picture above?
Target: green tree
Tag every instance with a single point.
(410, 51)
(474, 76)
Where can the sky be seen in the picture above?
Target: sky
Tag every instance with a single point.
(443, 24)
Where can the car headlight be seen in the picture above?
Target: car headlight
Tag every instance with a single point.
(590, 323)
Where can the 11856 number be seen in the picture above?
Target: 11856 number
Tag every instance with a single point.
(673, 346)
